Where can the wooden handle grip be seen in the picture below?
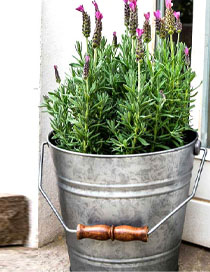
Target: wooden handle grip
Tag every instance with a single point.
(120, 233)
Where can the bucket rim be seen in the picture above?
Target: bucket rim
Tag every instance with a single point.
(192, 143)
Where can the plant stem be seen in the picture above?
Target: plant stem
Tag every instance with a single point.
(155, 129)
(133, 46)
(87, 86)
(86, 116)
(172, 56)
(135, 138)
(147, 49)
(172, 51)
(95, 57)
(87, 44)
(178, 38)
(139, 77)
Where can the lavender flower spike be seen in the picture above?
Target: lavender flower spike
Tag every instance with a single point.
(139, 46)
(86, 25)
(169, 18)
(114, 42)
(187, 57)
(57, 77)
(126, 13)
(133, 18)
(147, 28)
(157, 15)
(86, 67)
(178, 22)
(98, 30)
(163, 32)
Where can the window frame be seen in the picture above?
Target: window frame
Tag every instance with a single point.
(205, 130)
(200, 64)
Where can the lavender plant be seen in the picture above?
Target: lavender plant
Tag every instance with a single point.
(120, 98)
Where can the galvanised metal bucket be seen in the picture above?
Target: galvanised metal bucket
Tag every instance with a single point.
(136, 190)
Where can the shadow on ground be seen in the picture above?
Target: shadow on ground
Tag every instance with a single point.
(54, 258)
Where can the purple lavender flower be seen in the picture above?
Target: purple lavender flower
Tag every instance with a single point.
(114, 41)
(139, 32)
(86, 24)
(187, 56)
(133, 4)
(139, 46)
(96, 5)
(80, 8)
(99, 15)
(147, 28)
(57, 77)
(86, 67)
(133, 18)
(126, 13)
(177, 14)
(98, 30)
(147, 16)
(96, 9)
(186, 51)
(157, 15)
(178, 22)
(169, 18)
(169, 4)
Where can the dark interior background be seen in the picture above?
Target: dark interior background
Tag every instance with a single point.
(186, 9)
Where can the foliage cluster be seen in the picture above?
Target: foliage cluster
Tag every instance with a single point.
(124, 106)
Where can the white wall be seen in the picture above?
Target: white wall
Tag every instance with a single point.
(19, 100)
(61, 27)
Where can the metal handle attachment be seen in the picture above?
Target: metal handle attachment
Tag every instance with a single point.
(121, 233)
(45, 195)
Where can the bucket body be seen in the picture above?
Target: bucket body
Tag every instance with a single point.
(134, 190)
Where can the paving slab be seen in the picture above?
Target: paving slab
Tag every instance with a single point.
(194, 258)
(54, 258)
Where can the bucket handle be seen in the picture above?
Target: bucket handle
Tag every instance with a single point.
(120, 233)
(45, 195)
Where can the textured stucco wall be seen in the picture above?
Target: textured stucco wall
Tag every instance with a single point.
(61, 27)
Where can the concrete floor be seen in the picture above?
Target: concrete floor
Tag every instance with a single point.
(54, 258)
